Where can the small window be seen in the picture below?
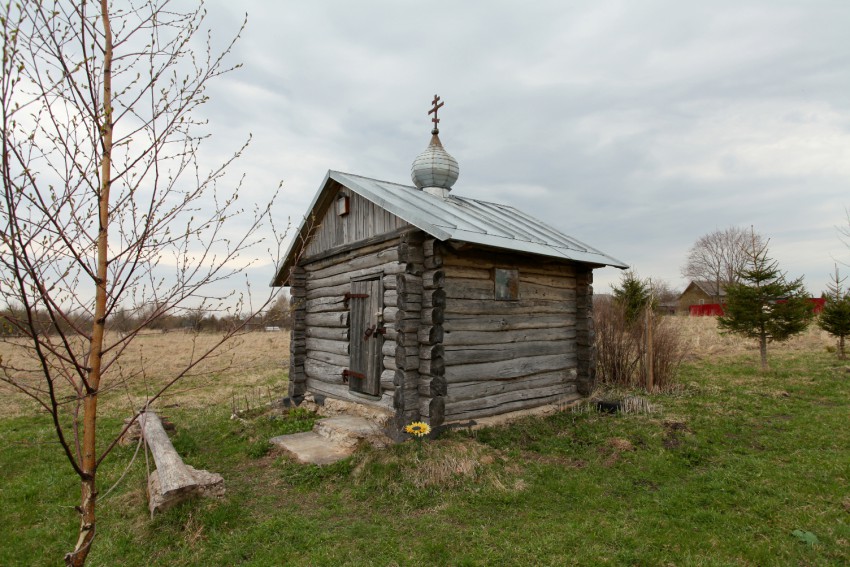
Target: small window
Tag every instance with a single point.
(342, 205)
(507, 284)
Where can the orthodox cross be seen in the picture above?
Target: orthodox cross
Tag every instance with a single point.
(437, 104)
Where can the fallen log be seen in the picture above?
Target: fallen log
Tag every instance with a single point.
(173, 481)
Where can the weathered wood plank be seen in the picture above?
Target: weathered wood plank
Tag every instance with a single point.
(325, 345)
(357, 259)
(458, 308)
(556, 281)
(406, 379)
(544, 292)
(537, 277)
(342, 254)
(330, 358)
(492, 323)
(509, 368)
(431, 352)
(318, 370)
(432, 366)
(314, 280)
(332, 319)
(431, 335)
(506, 337)
(387, 377)
(460, 411)
(333, 291)
(388, 348)
(389, 314)
(433, 316)
(341, 392)
(478, 259)
(475, 289)
(483, 389)
(434, 299)
(325, 304)
(456, 355)
(466, 288)
(437, 410)
(407, 284)
(390, 298)
(433, 279)
(411, 302)
(334, 334)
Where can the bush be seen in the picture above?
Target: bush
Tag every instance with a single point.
(621, 347)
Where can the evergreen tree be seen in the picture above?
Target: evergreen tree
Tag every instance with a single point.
(633, 294)
(835, 317)
(763, 305)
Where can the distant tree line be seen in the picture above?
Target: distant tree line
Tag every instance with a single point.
(14, 319)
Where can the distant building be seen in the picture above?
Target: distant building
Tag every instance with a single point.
(701, 298)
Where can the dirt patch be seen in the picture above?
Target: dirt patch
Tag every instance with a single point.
(674, 432)
(613, 450)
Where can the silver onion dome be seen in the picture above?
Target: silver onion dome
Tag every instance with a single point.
(435, 170)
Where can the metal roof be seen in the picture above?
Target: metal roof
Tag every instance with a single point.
(459, 219)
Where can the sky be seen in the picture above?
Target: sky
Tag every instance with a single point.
(635, 127)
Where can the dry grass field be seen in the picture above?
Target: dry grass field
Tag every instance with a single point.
(246, 371)
(251, 369)
(705, 341)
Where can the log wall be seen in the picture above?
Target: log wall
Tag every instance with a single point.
(325, 333)
(406, 322)
(298, 341)
(432, 379)
(501, 356)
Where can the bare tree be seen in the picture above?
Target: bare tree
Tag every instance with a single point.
(718, 257)
(106, 205)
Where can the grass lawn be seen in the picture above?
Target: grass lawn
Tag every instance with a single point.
(735, 468)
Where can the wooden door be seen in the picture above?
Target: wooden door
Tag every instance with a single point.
(366, 336)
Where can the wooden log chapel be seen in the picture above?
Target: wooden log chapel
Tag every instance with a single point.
(424, 305)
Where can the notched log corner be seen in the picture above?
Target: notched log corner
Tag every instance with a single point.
(173, 481)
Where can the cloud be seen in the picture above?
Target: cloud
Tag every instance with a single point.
(636, 127)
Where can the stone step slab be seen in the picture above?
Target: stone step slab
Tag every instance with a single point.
(332, 439)
(311, 448)
(349, 430)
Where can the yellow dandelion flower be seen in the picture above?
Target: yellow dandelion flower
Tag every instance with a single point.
(418, 428)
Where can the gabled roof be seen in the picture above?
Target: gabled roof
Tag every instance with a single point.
(454, 218)
(706, 287)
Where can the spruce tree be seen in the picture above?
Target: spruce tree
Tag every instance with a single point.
(763, 305)
(835, 317)
(633, 294)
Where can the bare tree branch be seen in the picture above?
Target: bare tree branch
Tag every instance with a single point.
(108, 210)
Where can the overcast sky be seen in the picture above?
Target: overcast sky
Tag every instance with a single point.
(634, 126)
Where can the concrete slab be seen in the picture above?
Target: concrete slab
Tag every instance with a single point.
(310, 447)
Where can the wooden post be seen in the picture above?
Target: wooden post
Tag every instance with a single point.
(650, 358)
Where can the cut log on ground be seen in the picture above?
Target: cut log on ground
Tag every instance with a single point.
(173, 481)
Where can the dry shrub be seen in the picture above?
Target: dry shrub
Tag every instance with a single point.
(621, 348)
(617, 353)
